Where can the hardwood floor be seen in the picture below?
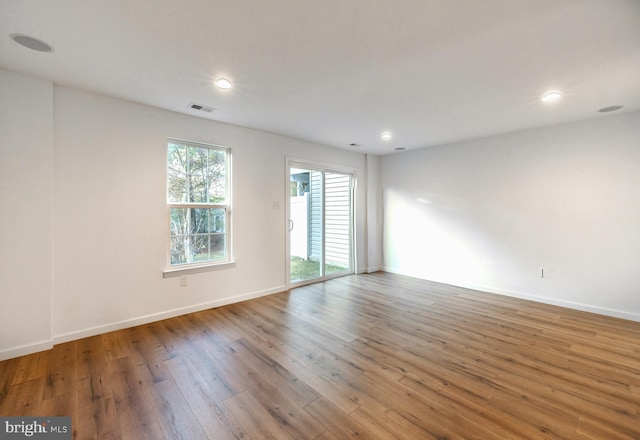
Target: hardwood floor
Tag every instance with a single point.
(368, 356)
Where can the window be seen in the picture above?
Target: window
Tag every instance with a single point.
(198, 193)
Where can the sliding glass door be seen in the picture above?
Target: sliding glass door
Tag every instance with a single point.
(320, 223)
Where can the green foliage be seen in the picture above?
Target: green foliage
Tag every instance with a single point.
(302, 269)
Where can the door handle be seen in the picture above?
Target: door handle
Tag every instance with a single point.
(290, 225)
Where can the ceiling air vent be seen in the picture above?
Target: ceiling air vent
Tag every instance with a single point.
(202, 108)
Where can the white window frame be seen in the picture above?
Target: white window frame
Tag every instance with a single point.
(201, 266)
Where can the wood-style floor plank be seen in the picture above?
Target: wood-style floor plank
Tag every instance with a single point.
(375, 356)
(216, 421)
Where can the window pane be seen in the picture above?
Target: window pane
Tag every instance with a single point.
(217, 220)
(199, 221)
(179, 221)
(197, 160)
(217, 176)
(216, 246)
(177, 173)
(199, 248)
(197, 188)
(178, 253)
(177, 158)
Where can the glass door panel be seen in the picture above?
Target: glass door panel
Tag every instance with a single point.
(305, 224)
(320, 224)
(337, 227)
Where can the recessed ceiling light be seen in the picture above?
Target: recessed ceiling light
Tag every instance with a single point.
(611, 108)
(551, 97)
(31, 43)
(223, 83)
(385, 136)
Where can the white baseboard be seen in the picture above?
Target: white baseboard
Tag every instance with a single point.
(22, 350)
(374, 269)
(562, 303)
(541, 299)
(92, 331)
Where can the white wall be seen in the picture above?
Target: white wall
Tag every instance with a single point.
(111, 215)
(101, 162)
(26, 197)
(374, 214)
(487, 213)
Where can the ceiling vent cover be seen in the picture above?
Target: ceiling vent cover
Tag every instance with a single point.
(202, 108)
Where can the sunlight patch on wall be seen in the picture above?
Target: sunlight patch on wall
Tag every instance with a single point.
(420, 241)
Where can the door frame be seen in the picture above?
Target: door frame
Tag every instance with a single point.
(291, 162)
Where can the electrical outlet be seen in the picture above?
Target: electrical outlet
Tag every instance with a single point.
(183, 280)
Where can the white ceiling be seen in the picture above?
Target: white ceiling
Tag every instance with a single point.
(343, 71)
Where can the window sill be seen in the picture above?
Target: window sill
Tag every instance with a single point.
(187, 269)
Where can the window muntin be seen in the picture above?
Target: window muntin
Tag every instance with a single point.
(198, 195)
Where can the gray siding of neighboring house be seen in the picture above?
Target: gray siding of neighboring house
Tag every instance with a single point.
(315, 216)
(337, 214)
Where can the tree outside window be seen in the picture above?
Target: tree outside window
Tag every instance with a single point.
(198, 194)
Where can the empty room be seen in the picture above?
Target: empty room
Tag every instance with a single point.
(409, 219)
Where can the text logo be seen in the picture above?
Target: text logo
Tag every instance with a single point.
(40, 428)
